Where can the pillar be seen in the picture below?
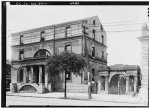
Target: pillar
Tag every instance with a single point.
(99, 85)
(41, 84)
(135, 84)
(18, 77)
(40, 74)
(46, 78)
(31, 71)
(25, 74)
(106, 84)
(127, 84)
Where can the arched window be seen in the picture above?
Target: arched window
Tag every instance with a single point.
(42, 53)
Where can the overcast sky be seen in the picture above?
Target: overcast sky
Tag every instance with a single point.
(121, 23)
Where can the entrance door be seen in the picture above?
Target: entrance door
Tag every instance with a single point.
(117, 84)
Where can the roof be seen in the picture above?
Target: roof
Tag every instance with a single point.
(123, 67)
(118, 67)
(51, 26)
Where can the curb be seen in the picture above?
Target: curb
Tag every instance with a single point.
(71, 98)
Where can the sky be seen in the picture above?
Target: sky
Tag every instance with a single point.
(121, 23)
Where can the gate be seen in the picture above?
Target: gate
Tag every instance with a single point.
(117, 84)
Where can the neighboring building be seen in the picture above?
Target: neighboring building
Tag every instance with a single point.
(32, 48)
(144, 39)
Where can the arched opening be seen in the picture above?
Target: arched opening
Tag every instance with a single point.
(21, 75)
(117, 84)
(42, 53)
(28, 89)
(131, 83)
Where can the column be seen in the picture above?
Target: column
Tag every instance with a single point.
(18, 77)
(40, 74)
(127, 84)
(82, 77)
(106, 84)
(24, 74)
(135, 84)
(99, 85)
(31, 70)
(46, 78)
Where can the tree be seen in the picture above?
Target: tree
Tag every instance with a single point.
(8, 74)
(65, 62)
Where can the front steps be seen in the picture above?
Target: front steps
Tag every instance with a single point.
(77, 88)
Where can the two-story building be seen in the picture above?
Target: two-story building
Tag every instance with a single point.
(32, 48)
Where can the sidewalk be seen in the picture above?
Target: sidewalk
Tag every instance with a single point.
(84, 96)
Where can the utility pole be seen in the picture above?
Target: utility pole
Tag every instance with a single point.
(85, 51)
(54, 41)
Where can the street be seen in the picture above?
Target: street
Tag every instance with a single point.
(40, 101)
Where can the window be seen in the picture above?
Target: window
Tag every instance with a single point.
(94, 34)
(68, 48)
(102, 39)
(21, 39)
(68, 76)
(93, 51)
(94, 22)
(42, 53)
(101, 28)
(42, 36)
(102, 53)
(68, 32)
(21, 55)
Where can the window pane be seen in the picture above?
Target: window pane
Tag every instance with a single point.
(21, 39)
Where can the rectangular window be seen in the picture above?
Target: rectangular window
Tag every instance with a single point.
(68, 32)
(42, 36)
(102, 39)
(21, 55)
(101, 28)
(94, 34)
(68, 48)
(93, 51)
(102, 53)
(21, 39)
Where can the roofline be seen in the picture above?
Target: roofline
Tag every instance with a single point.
(51, 26)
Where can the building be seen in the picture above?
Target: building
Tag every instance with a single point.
(119, 79)
(32, 48)
(144, 39)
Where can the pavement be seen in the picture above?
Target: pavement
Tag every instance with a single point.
(84, 96)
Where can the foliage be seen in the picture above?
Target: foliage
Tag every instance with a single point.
(65, 61)
(8, 68)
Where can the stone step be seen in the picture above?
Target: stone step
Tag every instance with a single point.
(79, 88)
